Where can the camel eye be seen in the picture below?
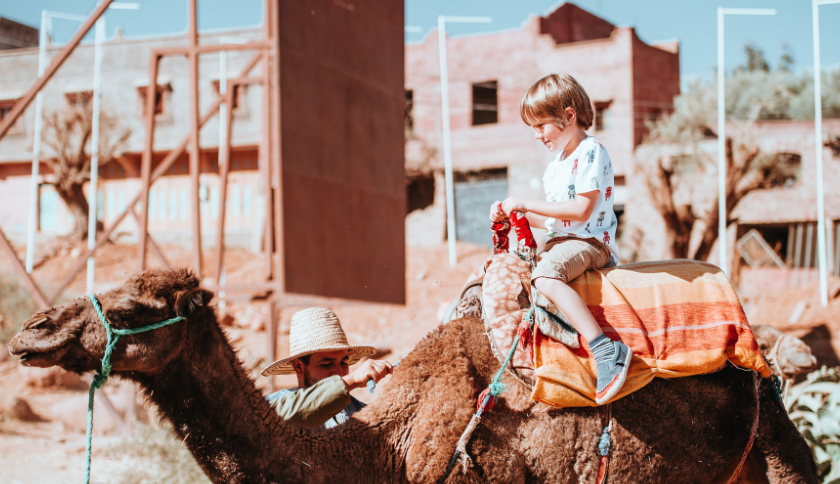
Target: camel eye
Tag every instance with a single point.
(38, 323)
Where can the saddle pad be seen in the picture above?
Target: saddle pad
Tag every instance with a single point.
(506, 295)
(680, 317)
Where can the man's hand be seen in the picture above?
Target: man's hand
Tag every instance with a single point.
(514, 204)
(496, 213)
(370, 369)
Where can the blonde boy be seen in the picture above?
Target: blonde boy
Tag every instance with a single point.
(577, 215)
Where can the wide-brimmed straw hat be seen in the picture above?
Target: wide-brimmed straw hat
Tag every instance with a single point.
(314, 330)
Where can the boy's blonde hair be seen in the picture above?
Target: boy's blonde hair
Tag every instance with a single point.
(549, 97)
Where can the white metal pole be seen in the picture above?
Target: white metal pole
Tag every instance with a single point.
(721, 107)
(36, 146)
(451, 229)
(723, 246)
(822, 253)
(93, 195)
(451, 234)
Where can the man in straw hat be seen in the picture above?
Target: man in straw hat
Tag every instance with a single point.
(321, 357)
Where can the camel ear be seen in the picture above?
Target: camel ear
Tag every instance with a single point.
(188, 302)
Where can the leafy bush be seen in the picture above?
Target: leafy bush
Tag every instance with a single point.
(153, 455)
(814, 407)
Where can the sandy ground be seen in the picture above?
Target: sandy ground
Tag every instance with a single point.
(52, 451)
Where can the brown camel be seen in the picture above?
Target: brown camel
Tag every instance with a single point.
(787, 355)
(684, 430)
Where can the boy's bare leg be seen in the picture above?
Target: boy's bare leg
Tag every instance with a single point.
(571, 305)
(612, 357)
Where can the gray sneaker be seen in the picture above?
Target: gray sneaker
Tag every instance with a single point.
(612, 373)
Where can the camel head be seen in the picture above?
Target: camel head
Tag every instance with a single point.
(72, 336)
(788, 356)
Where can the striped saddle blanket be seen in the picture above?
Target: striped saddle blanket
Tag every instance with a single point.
(680, 317)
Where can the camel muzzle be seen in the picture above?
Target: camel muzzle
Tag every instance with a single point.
(33, 352)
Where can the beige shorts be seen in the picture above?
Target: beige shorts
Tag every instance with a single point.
(565, 258)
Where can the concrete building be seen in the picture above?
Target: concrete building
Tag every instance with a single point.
(332, 129)
(494, 153)
(125, 75)
(629, 83)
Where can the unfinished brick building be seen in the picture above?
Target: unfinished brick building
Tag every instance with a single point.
(494, 153)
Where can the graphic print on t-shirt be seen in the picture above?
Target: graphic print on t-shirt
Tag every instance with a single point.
(565, 179)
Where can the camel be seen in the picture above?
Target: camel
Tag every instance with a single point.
(788, 356)
(684, 430)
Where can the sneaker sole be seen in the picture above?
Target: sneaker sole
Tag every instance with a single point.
(614, 386)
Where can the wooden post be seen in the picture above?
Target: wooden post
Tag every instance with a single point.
(224, 170)
(837, 249)
(276, 150)
(195, 153)
(272, 337)
(146, 162)
(797, 255)
(37, 295)
(809, 242)
(265, 154)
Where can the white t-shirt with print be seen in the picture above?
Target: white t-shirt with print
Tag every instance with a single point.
(588, 168)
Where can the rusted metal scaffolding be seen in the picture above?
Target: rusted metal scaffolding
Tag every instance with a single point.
(268, 163)
(190, 143)
(273, 288)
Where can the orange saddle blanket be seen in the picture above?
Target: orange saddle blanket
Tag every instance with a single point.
(680, 317)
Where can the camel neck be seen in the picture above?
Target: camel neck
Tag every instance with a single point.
(214, 406)
(229, 427)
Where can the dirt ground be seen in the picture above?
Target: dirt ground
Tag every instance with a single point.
(51, 450)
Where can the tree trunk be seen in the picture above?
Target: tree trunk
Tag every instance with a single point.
(678, 218)
(73, 196)
(736, 190)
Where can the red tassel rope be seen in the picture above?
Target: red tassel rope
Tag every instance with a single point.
(526, 336)
(523, 230)
(490, 403)
(602, 470)
(500, 236)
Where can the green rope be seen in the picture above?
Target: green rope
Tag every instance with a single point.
(496, 388)
(101, 376)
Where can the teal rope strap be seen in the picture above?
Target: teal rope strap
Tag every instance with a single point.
(496, 387)
(101, 376)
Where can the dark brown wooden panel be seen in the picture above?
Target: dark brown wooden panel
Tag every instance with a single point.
(342, 108)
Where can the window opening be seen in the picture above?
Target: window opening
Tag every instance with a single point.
(485, 108)
(161, 93)
(602, 115)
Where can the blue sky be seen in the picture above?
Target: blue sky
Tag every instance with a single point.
(692, 22)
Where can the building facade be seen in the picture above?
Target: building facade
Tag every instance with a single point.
(494, 153)
(125, 76)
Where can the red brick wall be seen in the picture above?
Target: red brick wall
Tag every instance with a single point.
(570, 23)
(656, 81)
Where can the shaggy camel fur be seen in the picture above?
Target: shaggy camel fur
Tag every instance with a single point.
(686, 430)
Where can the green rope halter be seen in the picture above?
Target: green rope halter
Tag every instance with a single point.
(101, 376)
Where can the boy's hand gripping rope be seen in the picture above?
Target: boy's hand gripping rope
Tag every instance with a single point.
(526, 247)
(101, 376)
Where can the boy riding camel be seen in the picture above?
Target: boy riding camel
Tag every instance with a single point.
(578, 185)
